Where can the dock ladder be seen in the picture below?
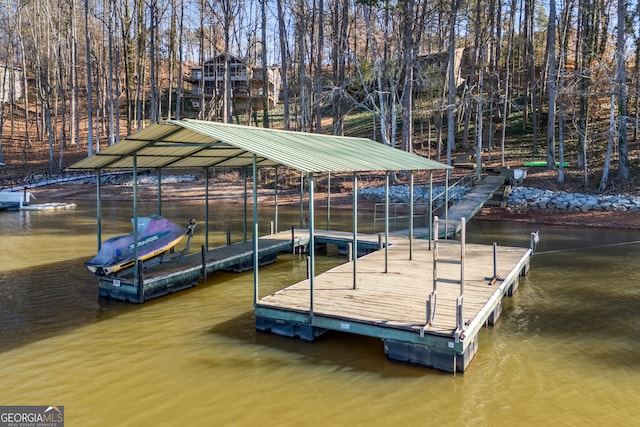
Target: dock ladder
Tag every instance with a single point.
(432, 301)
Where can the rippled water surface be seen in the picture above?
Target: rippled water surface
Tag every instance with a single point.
(565, 351)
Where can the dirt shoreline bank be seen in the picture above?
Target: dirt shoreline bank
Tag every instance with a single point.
(599, 219)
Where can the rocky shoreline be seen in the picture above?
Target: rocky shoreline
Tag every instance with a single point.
(400, 194)
(523, 198)
(520, 198)
(538, 206)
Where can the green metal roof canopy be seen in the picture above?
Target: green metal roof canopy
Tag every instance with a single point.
(196, 143)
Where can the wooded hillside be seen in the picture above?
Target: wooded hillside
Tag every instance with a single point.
(562, 79)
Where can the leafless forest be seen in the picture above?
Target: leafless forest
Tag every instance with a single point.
(560, 78)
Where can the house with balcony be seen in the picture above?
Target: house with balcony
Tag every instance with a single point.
(246, 81)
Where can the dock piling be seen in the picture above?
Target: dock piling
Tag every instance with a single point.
(203, 255)
(495, 260)
(140, 281)
(459, 319)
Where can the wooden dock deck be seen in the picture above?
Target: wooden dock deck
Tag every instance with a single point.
(393, 305)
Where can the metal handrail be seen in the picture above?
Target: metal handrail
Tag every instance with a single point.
(395, 217)
(464, 182)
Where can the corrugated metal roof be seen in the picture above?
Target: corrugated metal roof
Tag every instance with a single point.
(195, 143)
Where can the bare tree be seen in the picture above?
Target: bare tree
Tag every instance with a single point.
(592, 40)
(565, 30)
(451, 83)
(531, 68)
(284, 58)
(89, 85)
(180, 62)
(153, 80)
(141, 43)
(265, 70)
(318, 61)
(551, 84)
(413, 18)
(621, 79)
(339, 50)
(507, 79)
(612, 132)
(304, 101)
(227, 18)
(125, 15)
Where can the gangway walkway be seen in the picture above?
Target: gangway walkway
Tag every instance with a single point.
(467, 207)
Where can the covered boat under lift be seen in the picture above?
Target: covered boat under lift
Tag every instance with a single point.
(200, 144)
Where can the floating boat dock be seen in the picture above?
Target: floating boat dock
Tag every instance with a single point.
(19, 200)
(51, 206)
(179, 272)
(418, 307)
(427, 304)
(14, 200)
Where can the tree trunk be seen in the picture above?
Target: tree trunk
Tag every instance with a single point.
(128, 59)
(319, 61)
(479, 115)
(407, 90)
(507, 81)
(89, 90)
(612, 133)
(451, 85)
(74, 89)
(529, 18)
(226, 96)
(339, 50)
(3, 81)
(201, 53)
(111, 77)
(282, 35)
(563, 44)
(180, 62)
(171, 56)
(153, 107)
(561, 142)
(140, 66)
(265, 73)
(304, 106)
(621, 77)
(551, 60)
